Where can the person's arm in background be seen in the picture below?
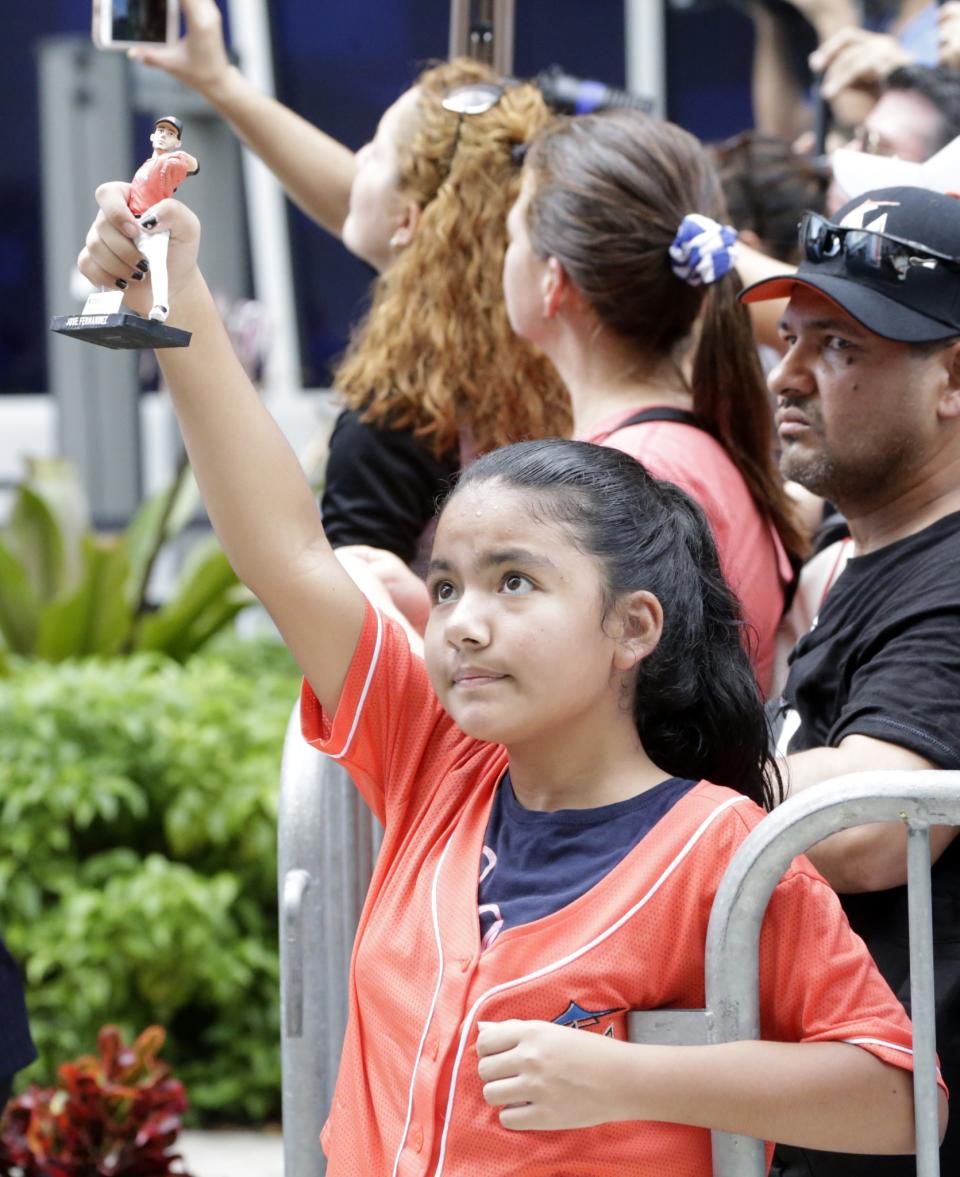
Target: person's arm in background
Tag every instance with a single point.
(948, 30)
(779, 101)
(754, 266)
(853, 64)
(315, 170)
(869, 857)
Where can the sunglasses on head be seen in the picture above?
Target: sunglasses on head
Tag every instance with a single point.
(867, 252)
(472, 98)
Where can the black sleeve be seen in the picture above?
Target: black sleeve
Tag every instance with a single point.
(908, 693)
(382, 486)
(16, 1047)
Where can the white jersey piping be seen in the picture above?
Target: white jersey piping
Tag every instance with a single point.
(866, 1041)
(568, 959)
(363, 694)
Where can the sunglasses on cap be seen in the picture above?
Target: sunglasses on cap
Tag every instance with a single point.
(866, 252)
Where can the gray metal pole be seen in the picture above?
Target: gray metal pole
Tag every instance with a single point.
(645, 40)
(85, 138)
(733, 935)
(326, 845)
(483, 29)
(922, 1000)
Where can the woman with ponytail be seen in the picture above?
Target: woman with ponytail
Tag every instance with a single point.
(619, 272)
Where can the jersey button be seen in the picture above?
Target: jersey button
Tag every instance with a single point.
(433, 1048)
(416, 1139)
(465, 962)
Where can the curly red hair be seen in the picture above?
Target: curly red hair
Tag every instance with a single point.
(436, 352)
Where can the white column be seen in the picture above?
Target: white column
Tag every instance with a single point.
(645, 37)
(267, 214)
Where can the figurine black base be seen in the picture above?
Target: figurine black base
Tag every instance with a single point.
(121, 330)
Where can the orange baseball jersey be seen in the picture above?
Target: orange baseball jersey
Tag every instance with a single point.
(408, 1099)
(156, 179)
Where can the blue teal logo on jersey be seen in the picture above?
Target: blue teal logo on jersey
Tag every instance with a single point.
(579, 1018)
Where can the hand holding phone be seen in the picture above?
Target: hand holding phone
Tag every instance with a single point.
(124, 24)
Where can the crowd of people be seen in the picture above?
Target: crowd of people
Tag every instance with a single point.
(555, 689)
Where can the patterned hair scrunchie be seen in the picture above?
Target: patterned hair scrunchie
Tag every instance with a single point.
(703, 250)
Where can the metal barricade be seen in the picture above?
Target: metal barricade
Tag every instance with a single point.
(327, 839)
(919, 800)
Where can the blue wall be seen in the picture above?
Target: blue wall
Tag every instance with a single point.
(340, 65)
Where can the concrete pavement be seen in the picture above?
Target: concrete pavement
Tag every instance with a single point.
(232, 1153)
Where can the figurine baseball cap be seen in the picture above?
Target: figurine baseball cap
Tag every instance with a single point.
(172, 121)
(890, 258)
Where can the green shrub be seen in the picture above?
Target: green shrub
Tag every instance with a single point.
(138, 860)
(68, 592)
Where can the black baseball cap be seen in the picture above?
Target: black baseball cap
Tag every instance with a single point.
(924, 306)
(173, 121)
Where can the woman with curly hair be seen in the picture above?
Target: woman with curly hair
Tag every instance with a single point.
(618, 271)
(433, 374)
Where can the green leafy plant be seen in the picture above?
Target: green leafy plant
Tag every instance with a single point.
(116, 1113)
(138, 860)
(66, 591)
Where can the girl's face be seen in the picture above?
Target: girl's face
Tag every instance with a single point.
(523, 272)
(517, 645)
(377, 208)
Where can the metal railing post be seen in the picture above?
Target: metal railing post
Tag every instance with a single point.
(483, 29)
(326, 845)
(918, 799)
(922, 1000)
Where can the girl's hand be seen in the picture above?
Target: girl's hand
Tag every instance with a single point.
(110, 253)
(199, 59)
(545, 1076)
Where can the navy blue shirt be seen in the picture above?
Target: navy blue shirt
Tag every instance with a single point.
(16, 1047)
(535, 863)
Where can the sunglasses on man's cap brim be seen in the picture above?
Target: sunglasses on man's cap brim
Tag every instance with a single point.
(883, 316)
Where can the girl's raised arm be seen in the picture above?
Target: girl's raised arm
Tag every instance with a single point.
(258, 499)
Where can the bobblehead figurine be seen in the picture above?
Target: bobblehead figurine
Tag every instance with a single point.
(103, 319)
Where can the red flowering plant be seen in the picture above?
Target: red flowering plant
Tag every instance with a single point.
(114, 1114)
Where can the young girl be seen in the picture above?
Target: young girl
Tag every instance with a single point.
(583, 682)
(615, 272)
(433, 373)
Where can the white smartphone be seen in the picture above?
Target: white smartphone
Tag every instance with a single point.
(123, 24)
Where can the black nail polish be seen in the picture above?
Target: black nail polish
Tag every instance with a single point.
(144, 265)
(137, 276)
(149, 222)
(120, 282)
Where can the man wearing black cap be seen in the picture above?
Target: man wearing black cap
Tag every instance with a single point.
(869, 418)
(157, 179)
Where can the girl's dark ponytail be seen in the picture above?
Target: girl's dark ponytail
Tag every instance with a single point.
(730, 398)
(697, 707)
(610, 192)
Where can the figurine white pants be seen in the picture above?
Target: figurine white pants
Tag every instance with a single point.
(153, 246)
